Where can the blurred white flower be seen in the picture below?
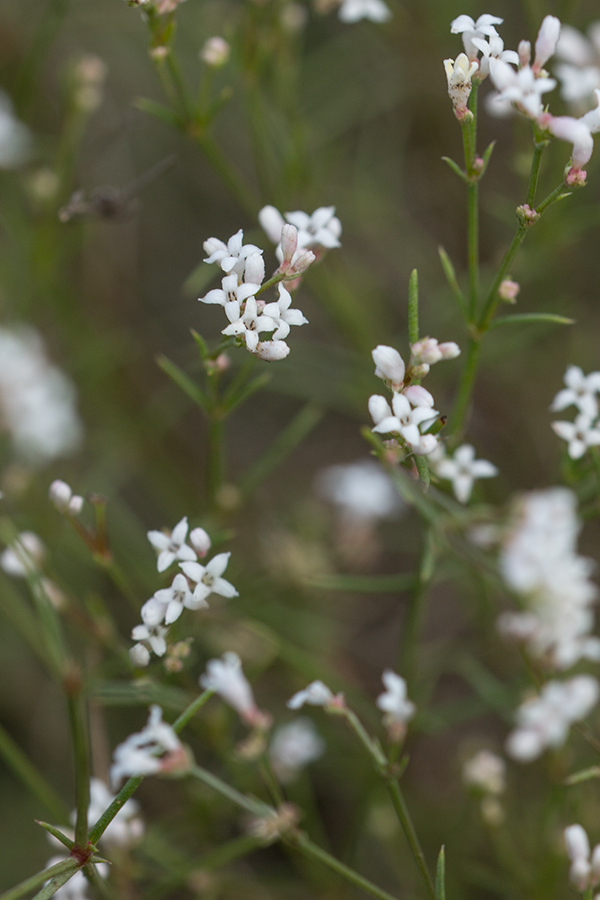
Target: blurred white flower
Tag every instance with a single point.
(316, 694)
(580, 435)
(37, 400)
(215, 52)
(15, 139)
(63, 498)
(24, 556)
(482, 28)
(544, 721)
(580, 391)
(361, 490)
(153, 750)
(546, 41)
(486, 771)
(226, 678)
(394, 701)
(462, 469)
(321, 229)
(585, 865)
(294, 746)
(579, 73)
(521, 88)
(354, 10)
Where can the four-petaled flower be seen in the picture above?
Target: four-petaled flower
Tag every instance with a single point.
(171, 546)
(463, 470)
(231, 256)
(208, 578)
(580, 434)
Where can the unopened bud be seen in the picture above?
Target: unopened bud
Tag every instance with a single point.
(524, 51)
(200, 541)
(272, 351)
(301, 262)
(509, 290)
(289, 245)
(526, 215)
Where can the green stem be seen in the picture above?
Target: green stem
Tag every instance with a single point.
(215, 459)
(110, 812)
(413, 307)
(538, 150)
(405, 820)
(250, 804)
(81, 749)
(188, 714)
(465, 390)
(306, 846)
(416, 609)
(66, 867)
(473, 247)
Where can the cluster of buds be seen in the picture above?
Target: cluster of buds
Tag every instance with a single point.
(412, 412)
(190, 588)
(65, 501)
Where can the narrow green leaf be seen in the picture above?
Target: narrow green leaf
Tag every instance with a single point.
(364, 584)
(440, 875)
(452, 281)
(584, 775)
(532, 319)
(456, 169)
(65, 869)
(247, 391)
(159, 111)
(183, 381)
(423, 470)
(201, 344)
(413, 307)
(486, 158)
(55, 832)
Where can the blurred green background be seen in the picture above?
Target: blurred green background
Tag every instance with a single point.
(352, 116)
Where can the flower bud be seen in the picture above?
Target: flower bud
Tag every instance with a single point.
(215, 52)
(524, 51)
(272, 351)
(509, 290)
(289, 245)
(546, 42)
(459, 73)
(200, 541)
(389, 365)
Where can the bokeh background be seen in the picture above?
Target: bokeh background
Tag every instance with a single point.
(328, 114)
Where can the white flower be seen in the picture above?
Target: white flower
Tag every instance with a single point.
(281, 314)
(486, 771)
(61, 495)
(483, 27)
(579, 74)
(208, 578)
(580, 391)
(401, 419)
(321, 229)
(174, 598)
(463, 470)
(361, 490)
(544, 721)
(294, 746)
(316, 694)
(547, 39)
(15, 139)
(579, 434)
(584, 872)
(171, 546)
(521, 88)
(126, 829)
(538, 561)
(389, 366)
(353, 10)
(459, 74)
(225, 677)
(154, 635)
(231, 292)
(37, 401)
(493, 48)
(247, 322)
(156, 748)
(394, 702)
(231, 256)
(215, 53)
(24, 556)
(272, 351)
(576, 132)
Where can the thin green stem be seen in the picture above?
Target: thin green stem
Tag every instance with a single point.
(250, 804)
(81, 749)
(14, 757)
(188, 714)
(538, 150)
(405, 820)
(232, 181)
(66, 867)
(111, 811)
(465, 390)
(416, 610)
(413, 307)
(306, 846)
(473, 247)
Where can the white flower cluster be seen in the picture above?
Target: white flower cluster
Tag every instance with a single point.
(362, 491)
(250, 317)
(190, 589)
(544, 721)
(579, 73)
(521, 83)
(539, 562)
(585, 864)
(37, 400)
(485, 771)
(411, 412)
(581, 391)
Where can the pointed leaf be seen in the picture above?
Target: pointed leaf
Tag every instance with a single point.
(56, 833)
(187, 385)
(440, 875)
(413, 307)
(451, 279)
(584, 775)
(532, 319)
(159, 111)
(456, 169)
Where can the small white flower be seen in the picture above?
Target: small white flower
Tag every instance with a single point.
(281, 314)
(459, 74)
(153, 635)
(316, 694)
(486, 771)
(247, 322)
(171, 546)
(139, 655)
(231, 292)
(580, 391)
(463, 470)
(521, 88)
(429, 351)
(225, 677)
(544, 721)
(403, 420)
(585, 871)
(483, 27)
(24, 556)
(175, 598)
(321, 229)
(156, 748)
(576, 132)
(231, 256)
(294, 746)
(61, 495)
(208, 578)
(579, 434)
(493, 48)
(272, 351)
(389, 366)
(215, 53)
(354, 10)
(394, 701)
(361, 490)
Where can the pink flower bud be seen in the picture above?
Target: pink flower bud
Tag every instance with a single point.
(303, 260)
(546, 42)
(524, 52)
(289, 244)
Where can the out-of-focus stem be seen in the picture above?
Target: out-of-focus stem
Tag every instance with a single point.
(465, 389)
(64, 869)
(405, 820)
(412, 628)
(81, 750)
